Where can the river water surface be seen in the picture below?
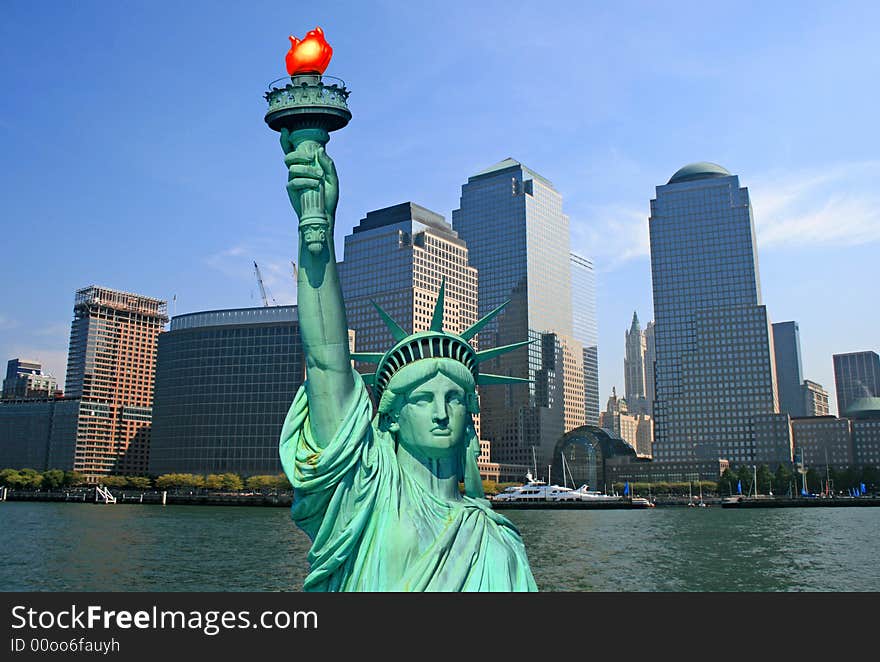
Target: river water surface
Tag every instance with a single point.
(97, 547)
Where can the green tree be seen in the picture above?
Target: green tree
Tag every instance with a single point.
(138, 482)
(281, 483)
(53, 478)
(114, 481)
(782, 480)
(11, 478)
(31, 479)
(871, 478)
(727, 482)
(744, 475)
(232, 482)
(73, 478)
(764, 479)
(214, 482)
(259, 483)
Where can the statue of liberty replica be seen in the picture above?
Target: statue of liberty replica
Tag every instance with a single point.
(378, 494)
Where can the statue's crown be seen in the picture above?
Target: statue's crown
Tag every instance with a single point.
(434, 344)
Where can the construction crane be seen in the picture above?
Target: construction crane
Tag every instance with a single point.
(263, 287)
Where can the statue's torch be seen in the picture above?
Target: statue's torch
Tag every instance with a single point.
(305, 111)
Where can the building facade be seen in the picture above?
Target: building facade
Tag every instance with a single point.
(634, 367)
(714, 364)
(225, 380)
(650, 354)
(856, 375)
(38, 434)
(789, 370)
(773, 440)
(815, 399)
(865, 420)
(25, 380)
(111, 366)
(518, 239)
(823, 441)
(586, 330)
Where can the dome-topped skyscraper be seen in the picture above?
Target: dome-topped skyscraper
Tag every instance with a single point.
(714, 365)
(699, 170)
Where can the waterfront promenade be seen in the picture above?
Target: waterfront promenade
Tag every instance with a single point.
(285, 499)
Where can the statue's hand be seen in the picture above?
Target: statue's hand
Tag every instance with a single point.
(310, 169)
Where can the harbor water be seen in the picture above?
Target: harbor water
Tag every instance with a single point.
(131, 547)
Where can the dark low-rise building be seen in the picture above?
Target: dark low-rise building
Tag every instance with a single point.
(38, 434)
(225, 380)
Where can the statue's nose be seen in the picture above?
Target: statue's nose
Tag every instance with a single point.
(439, 413)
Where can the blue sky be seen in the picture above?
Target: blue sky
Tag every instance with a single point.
(135, 154)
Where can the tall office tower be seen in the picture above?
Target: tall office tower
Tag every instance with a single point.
(787, 353)
(856, 375)
(586, 330)
(397, 257)
(815, 399)
(111, 367)
(25, 380)
(518, 238)
(714, 363)
(634, 368)
(650, 355)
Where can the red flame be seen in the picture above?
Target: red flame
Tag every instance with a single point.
(311, 55)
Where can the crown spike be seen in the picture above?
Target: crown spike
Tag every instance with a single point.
(485, 379)
(471, 332)
(487, 354)
(396, 332)
(437, 319)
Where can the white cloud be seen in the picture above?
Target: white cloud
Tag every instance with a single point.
(836, 206)
(611, 236)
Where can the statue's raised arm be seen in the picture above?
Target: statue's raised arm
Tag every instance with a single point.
(313, 187)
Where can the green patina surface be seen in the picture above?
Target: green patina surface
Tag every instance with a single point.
(378, 492)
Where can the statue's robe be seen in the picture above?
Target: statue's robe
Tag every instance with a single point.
(375, 529)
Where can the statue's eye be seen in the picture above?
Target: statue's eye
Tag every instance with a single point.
(455, 398)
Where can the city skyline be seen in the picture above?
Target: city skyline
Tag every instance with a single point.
(182, 203)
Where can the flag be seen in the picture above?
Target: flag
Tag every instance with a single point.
(862, 488)
(739, 487)
(803, 492)
(626, 488)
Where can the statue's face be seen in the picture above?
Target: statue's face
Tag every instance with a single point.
(434, 419)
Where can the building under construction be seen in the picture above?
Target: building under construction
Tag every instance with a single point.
(111, 367)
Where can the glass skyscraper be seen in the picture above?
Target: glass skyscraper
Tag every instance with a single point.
(789, 371)
(518, 238)
(714, 363)
(397, 257)
(586, 330)
(224, 382)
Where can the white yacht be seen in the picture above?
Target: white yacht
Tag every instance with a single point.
(536, 490)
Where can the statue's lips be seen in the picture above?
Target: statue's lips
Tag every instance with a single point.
(441, 432)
